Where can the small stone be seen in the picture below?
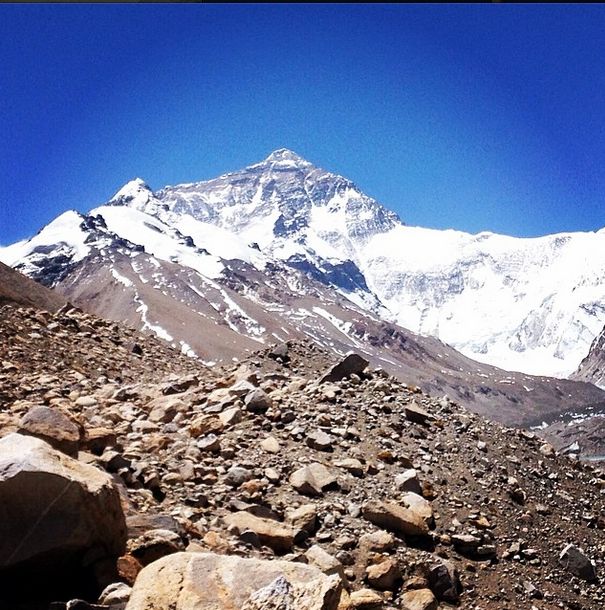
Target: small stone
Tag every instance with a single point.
(408, 481)
(352, 465)
(270, 445)
(116, 593)
(316, 556)
(396, 518)
(312, 479)
(258, 401)
(210, 443)
(278, 536)
(319, 440)
(231, 416)
(365, 599)
(237, 476)
(575, 561)
(384, 575)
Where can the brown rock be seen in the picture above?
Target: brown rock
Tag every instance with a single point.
(54, 427)
(205, 424)
(419, 599)
(365, 599)
(312, 479)
(395, 518)
(384, 575)
(278, 536)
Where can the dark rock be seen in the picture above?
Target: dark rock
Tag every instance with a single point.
(352, 363)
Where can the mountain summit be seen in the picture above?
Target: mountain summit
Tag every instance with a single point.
(286, 156)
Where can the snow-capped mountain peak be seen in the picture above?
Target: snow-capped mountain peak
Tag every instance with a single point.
(285, 156)
(136, 194)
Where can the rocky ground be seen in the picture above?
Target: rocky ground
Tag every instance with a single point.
(341, 487)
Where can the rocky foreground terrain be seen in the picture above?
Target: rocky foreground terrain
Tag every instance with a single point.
(134, 477)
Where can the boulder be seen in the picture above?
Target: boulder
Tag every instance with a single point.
(58, 516)
(52, 426)
(216, 582)
(351, 364)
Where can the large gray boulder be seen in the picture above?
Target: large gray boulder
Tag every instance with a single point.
(58, 517)
(191, 581)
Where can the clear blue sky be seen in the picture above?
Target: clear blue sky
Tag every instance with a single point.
(476, 117)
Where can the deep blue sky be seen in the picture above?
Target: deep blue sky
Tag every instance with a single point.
(476, 117)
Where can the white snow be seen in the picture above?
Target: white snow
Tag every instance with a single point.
(157, 238)
(64, 233)
(143, 309)
(123, 280)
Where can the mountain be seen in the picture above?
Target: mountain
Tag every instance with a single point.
(19, 289)
(592, 367)
(531, 305)
(283, 250)
(120, 454)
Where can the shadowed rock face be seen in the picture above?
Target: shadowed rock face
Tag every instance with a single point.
(58, 517)
(21, 290)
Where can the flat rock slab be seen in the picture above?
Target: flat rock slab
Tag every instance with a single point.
(52, 426)
(191, 581)
(419, 599)
(276, 535)
(416, 414)
(396, 518)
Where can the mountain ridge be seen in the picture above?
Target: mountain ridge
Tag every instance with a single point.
(524, 304)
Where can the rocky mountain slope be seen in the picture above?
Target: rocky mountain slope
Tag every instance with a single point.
(531, 305)
(592, 368)
(288, 480)
(21, 290)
